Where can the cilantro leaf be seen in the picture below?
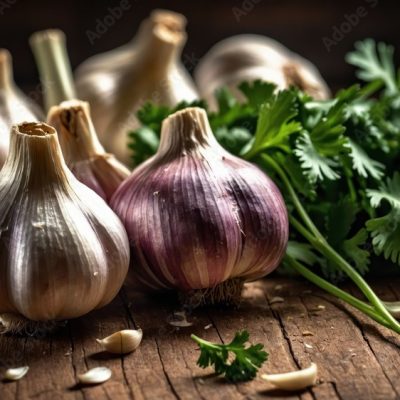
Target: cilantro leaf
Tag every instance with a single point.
(315, 166)
(302, 252)
(385, 231)
(144, 143)
(245, 364)
(275, 123)
(257, 92)
(375, 62)
(363, 164)
(353, 250)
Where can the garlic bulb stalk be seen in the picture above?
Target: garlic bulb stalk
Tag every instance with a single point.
(198, 218)
(251, 57)
(63, 252)
(116, 84)
(83, 153)
(49, 49)
(15, 107)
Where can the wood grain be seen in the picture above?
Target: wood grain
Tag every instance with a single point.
(357, 359)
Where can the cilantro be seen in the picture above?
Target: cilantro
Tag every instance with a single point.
(385, 231)
(246, 362)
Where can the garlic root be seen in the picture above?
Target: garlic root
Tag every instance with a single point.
(295, 380)
(17, 324)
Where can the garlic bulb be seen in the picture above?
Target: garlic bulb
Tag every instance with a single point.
(82, 151)
(250, 57)
(49, 49)
(15, 107)
(117, 83)
(63, 252)
(198, 218)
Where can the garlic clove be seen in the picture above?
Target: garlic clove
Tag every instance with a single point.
(122, 342)
(393, 307)
(295, 380)
(15, 374)
(95, 376)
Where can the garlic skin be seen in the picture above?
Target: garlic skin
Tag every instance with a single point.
(15, 107)
(198, 217)
(122, 342)
(250, 57)
(295, 380)
(82, 151)
(118, 83)
(63, 252)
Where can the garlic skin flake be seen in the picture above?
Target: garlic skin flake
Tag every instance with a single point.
(15, 107)
(47, 273)
(250, 57)
(122, 342)
(216, 219)
(15, 374)
(119, 82)
(295, 380)
(82, 151)
(95, 376)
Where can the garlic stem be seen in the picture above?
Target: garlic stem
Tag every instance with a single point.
(6, 74)
(49, 49)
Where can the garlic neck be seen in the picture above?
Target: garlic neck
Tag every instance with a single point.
(77, 135)
(187, 131)
(49, 49)
(6, 74)
(35, 157)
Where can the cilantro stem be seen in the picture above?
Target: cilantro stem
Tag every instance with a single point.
(314, 236)
(334, 290)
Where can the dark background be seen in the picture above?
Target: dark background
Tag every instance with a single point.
(300, 25)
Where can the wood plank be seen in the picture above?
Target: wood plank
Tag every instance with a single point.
(356, 358)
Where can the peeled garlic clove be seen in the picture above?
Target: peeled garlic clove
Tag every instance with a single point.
(122, 342)
(95, 376)
(393, 307)
(296, 380)
(15, 374)
(49, 49)
(63, 252)
(15, 107)
(200, 219)
(251, 57)
(117, 83)
(83, 153)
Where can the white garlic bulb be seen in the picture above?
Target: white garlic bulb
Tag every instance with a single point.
(250, 57)
(63, 252)
(198, 218)
(15, 107)
(82, 151)
(118, 83)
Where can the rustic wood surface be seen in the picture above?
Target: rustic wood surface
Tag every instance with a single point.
(356, 358)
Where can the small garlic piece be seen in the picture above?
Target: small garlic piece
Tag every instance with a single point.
(295, 380)
(95, 376)
(122, 342)
(15, 374)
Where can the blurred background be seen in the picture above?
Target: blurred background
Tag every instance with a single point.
(322, 31)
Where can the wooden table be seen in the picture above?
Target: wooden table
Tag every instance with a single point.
(356, 358)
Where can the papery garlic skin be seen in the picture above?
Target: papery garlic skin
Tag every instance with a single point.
(15, 107)
(250, 57)
(118, 83)
(82, 151)
(197, 216)
(63, 252)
